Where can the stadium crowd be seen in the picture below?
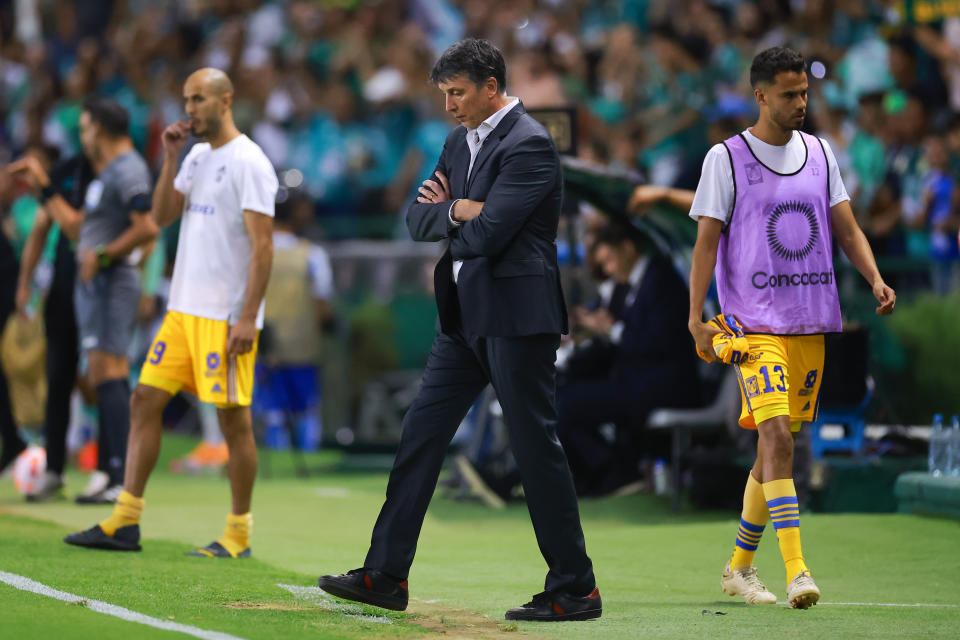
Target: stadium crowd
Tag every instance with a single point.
(336, 94)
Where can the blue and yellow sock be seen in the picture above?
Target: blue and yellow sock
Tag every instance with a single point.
(784, 509)
(753, 519)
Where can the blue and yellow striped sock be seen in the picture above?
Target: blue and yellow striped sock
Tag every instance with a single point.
(785, 513)
(753, 519)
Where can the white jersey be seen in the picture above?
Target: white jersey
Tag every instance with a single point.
(714, 197)
(213, 252)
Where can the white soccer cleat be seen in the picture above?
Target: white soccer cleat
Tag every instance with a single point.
(802, 592)
(744, 582)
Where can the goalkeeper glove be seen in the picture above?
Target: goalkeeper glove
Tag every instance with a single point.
(730, 345)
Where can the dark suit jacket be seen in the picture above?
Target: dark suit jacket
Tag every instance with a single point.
(655, 348)
(509, 284)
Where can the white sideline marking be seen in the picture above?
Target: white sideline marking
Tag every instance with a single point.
(888, 604)
(319, 597)
(26, 584)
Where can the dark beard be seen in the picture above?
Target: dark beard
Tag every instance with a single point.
(210, 131)
(790, 126)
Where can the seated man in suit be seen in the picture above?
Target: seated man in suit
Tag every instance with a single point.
(586, 353)
(652, 364)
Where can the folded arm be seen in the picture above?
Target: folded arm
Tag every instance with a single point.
(429, 222)
(527, 175)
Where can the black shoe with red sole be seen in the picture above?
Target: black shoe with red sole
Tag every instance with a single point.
(557, 606)
(368, 586)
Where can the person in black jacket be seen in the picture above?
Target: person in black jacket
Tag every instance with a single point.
(71, 178)
(651, 363)
(495, 200)
(12, 443)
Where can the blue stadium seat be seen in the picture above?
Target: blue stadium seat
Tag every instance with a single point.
(850, 418)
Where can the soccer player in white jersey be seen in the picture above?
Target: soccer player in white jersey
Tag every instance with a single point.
(225, 191)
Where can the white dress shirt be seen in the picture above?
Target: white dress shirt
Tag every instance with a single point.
(475, 139)
(636, 278)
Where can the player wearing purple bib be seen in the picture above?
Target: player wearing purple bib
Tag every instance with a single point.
(769, 203)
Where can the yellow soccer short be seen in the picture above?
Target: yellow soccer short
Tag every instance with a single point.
(780, 377)
(190, 353)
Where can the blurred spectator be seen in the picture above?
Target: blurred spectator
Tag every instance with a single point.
(937, 216)
(866, 151)
(47, 279)
(336, 91)
(728, 116)
(111, 231)
(651, 363)
(910, 74)
(898, 203)
(676, 89)
(297, 314)
(945, 48)
(12, 443)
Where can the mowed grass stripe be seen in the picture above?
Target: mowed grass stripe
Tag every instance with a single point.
(239, 598)
(32, 586)
(26, 615)
(657, 571)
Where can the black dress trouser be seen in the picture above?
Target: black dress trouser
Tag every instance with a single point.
(9, 268)
(60, 327)
(521, 370)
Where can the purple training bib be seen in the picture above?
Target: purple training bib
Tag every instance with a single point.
(775, 258)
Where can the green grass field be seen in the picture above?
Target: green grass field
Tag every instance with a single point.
(657, 572)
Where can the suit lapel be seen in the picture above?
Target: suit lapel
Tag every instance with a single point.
(492, 141)
(464, 167)
(460, 160)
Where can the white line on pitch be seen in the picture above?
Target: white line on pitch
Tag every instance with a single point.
(26, 584)
(319, 597)
(886, 604)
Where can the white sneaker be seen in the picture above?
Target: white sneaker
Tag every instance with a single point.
(49, 486)
(802, 592)
(107, 495)
(99, 480)
(745, 582)
(110, 494)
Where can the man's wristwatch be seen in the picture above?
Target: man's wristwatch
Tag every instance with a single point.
(102, 258)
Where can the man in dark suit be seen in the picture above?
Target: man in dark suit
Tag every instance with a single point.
(651, 364)
(496, 200)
